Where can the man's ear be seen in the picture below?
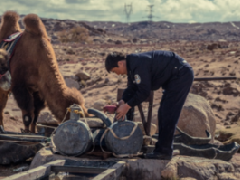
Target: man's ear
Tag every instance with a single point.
(120, 63)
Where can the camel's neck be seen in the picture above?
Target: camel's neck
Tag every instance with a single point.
(52, 81)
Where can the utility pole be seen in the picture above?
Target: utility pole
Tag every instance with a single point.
(150, 16)
(128, 11)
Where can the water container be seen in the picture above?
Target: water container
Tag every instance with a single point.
(124, 138)
(73, 137)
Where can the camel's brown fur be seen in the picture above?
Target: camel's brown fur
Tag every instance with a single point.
(4, 82)
(3, 102)
(35, 74)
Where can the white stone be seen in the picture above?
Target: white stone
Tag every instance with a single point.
(99, 104)
(70, 82)
(196, 117)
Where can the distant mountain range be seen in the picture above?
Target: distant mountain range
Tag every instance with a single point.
(162, 30)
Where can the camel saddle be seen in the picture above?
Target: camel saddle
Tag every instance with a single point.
(9, 45)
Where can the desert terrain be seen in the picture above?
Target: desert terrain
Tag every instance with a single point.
(212, 49)
(209, 58)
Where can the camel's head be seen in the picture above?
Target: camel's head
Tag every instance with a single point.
(3, 61)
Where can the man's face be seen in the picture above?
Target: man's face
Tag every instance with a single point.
(120, 70)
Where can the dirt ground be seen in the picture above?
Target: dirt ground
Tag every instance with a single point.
(223, 96)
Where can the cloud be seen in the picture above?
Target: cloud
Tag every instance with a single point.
(77, 1)
(112, 10)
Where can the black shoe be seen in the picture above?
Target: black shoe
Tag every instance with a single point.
(157, 155)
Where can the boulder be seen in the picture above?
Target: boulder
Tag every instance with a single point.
(46, 118)
(70, 82)
(118, 42)
(153, 128)
(109, 99)
(200, 168)
(135, 40)
(82, 75)
(94, 81)
(15, 152)
(197, 117)
(110, 40)
(212, 46)
(99, 104)
(228, 135)
(70, 51)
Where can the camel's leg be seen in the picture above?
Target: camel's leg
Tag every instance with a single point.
(39, 104)
(25, 102)
(3, 102)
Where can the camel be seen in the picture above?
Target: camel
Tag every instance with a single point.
(36, 79)
(4, 83)
(3, 102)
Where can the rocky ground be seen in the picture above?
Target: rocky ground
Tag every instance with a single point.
(208, 59)
(222, 95)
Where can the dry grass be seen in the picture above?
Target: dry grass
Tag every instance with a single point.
(77, 34)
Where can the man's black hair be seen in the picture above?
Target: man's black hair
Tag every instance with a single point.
(112, 59)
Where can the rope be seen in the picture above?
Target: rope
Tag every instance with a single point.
(130, 155)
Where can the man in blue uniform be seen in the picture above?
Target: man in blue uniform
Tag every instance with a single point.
(149, 71)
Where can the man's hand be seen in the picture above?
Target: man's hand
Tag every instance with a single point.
(119, 103)
(122, 111)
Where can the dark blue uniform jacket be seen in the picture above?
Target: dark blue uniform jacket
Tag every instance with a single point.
(149, 71)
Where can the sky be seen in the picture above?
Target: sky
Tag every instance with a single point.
(113, 10)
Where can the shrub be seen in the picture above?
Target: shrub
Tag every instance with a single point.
(77, 34)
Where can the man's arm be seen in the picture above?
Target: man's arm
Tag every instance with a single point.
(129, 91)
(143, 89)
(142, 77)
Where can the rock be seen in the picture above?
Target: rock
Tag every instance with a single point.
(82, 83)
(228, 90)
(135, 40)
(212, 46)
(106, 80)
(94, 80)
(118, 42)
(228, 135)
(46, 118)
(231, 53)
(179, 167)
(12, 152)
(153, 128)
(108, 99)
(70, 51)
(99, 104)
(12, 117)
(200, 169)
(110, 40)
(197, 117)
(188, 178)
(129, 41)
(82, 75)
(147, 140)
(102, 54)
(70, 82)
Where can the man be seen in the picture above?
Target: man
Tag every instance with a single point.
(149, 71)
